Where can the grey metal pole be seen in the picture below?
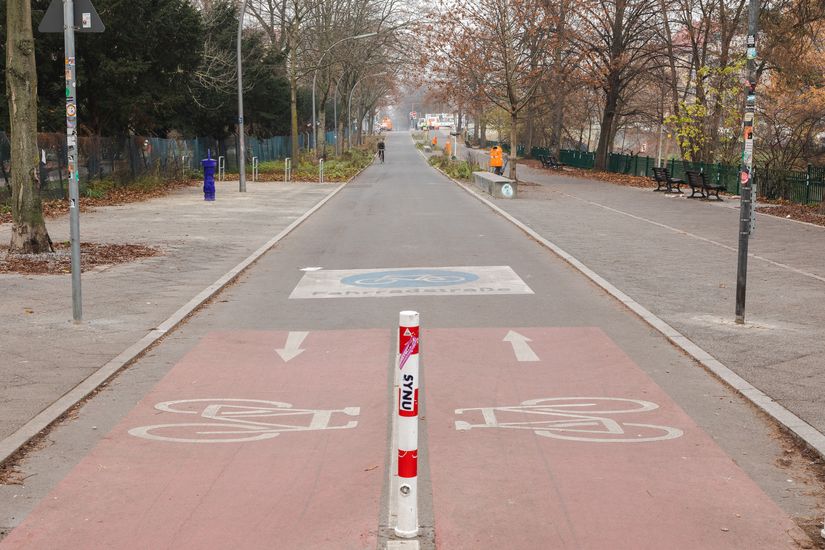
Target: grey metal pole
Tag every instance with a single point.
(71, 147)
(349, 116)
(335, 114)
(746, 170)
(314, 129)
(241, 143)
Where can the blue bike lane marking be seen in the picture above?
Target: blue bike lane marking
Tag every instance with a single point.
(389, 282)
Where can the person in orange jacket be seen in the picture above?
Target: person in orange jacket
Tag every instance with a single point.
(435, 141)
(497, 160)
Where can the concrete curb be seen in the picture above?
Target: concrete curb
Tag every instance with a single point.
(40, 423)
(792, 423)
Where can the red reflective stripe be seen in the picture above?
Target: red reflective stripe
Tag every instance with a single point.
(407, 463)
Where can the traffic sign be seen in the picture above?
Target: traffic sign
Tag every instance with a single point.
(84, 13)
(413, 114)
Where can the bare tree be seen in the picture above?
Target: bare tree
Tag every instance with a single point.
(500, 51)
(618, 39)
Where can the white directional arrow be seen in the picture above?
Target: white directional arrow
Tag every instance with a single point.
(292, 349)
(524, 353)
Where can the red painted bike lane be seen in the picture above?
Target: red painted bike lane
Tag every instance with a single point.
(575, 447)
(237, 448)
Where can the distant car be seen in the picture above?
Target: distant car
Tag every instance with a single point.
(386, 124)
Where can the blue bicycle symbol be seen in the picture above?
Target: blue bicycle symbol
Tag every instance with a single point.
(410, 278)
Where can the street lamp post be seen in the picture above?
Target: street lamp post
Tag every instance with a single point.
(349, 105)
(335, 112)
(315, 77)
(241, 144)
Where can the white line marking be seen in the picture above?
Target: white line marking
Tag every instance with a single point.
(292, 348)
(699, 238)
(524, 353)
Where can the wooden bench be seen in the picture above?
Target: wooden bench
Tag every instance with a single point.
(548, 161)
(495, 185)
(698, 182)
(664, 182)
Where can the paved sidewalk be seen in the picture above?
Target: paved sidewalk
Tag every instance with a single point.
(45, 354)
(677, 258)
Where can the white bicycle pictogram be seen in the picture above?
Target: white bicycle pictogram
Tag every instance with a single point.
(575, 419)
(395, 279)
(240, 420)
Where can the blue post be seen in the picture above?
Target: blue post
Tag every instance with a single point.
(209, 165)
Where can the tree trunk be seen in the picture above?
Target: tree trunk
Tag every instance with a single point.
(513, 145)
(529, 129)
(606, 131)
(28, 235)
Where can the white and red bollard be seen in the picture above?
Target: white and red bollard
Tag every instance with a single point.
(407, 508)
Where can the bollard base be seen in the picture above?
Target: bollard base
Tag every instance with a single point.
(212, 198)
(406, 534)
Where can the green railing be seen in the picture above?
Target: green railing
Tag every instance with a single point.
(798, 186)
(578, 159)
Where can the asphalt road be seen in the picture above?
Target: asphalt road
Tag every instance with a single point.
(705, 470)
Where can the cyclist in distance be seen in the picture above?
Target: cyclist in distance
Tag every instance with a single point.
(381, 148)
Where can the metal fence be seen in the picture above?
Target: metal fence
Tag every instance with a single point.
(799, 186)
(124, 160)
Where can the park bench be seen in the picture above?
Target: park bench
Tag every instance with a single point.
(549, 161)
(698, 183)
(664, 182)
(495, 185)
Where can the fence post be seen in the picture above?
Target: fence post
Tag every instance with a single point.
(407, 503)
(287, 170)
(254, 168)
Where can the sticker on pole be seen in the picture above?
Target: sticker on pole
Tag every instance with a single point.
(421, 281)
(409, 349)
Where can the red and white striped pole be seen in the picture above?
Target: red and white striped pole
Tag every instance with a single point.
(407, 509)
